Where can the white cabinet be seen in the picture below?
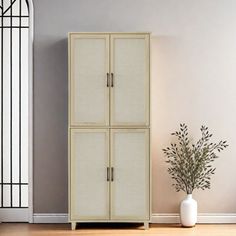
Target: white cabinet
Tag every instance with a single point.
(109, 159)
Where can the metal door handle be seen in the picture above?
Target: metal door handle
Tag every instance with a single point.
(108, 78)
(112, 80)
(112, 173)
(108, 174)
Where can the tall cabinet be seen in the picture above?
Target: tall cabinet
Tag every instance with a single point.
(109, 122)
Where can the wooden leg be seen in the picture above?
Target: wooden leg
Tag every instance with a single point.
(146, 225)
(73, 225)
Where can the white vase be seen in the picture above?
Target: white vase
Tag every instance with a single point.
(188, 211)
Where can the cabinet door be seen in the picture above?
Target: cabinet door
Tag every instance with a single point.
(89, 188)
(130, 185)
(130, 69)
(88, 67)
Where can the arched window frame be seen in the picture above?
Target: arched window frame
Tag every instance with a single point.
(30, 103)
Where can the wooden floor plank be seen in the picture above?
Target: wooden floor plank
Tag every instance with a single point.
(23, 229)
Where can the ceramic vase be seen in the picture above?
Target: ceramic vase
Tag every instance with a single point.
(188, 211)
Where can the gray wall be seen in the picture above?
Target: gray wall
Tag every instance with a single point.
(193, 81)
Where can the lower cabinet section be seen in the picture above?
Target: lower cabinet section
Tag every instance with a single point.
(89, 188)
(109, 175)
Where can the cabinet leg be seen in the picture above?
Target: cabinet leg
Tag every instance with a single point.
(73, 225)
(146, 225)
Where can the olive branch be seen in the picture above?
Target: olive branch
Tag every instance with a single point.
(190, 164)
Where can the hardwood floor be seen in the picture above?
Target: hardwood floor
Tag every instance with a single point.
(23, 229)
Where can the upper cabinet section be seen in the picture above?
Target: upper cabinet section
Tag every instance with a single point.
(130, 74)
(109, 79)
(88, 68)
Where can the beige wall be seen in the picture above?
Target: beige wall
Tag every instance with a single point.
(188, 88)
(193, 81)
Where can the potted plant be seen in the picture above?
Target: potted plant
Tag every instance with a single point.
(190, 166)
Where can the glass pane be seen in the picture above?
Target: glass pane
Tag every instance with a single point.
(6, 106)
(6, 4)
(24, 195)
(15, 106)
(6, 196)
(24, 106)
(24, 8)
(25, 21)
(15, 8)
(15, 196)
(0, 117)
(15, 21)
(6, 21)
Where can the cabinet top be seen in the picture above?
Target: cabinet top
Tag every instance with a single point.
(69, 33)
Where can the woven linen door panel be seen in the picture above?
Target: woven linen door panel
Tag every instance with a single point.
(130, 70)
(88, 167)
(89, 94)
(130, 163)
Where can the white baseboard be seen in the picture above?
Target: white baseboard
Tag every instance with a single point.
(203, 218)
(52, 218)
(162, 218)
(14, 214)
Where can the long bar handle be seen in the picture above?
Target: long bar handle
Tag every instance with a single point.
(112, 174)
(108, 174)
(108, 80)
(112, 80)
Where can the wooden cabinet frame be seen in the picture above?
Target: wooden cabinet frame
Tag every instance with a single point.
(110, 126)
